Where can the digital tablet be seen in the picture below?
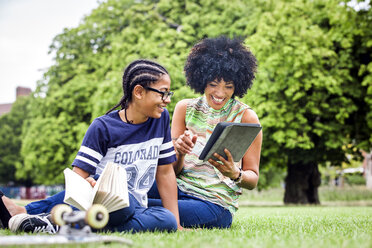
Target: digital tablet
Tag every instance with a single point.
(236, 137)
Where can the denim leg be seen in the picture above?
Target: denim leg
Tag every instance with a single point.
(46, 205)
(199, 213)
(153, 192)
(153, 196)
(136, 218)
(195, 212)
(149, 219)
(122, 215)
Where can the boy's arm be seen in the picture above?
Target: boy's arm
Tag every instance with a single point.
(167, 186)
(85, 175)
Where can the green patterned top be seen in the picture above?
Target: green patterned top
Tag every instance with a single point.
(199, 178)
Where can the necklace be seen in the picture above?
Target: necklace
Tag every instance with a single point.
(126, 118)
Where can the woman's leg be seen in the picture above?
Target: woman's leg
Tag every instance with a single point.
(195, 212)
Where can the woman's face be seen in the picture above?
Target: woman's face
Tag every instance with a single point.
(154, 104)
(218, 93)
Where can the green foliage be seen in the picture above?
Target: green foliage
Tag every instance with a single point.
(55, 131)
(271, 177)
(85, 80)
(354, 179)
(308, 97)
(11, 140)
(312, 93)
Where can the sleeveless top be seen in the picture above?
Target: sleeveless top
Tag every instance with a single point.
(201, 179)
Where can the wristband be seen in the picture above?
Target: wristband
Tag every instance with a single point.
(239, 179)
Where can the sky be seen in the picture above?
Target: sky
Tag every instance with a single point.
(27, 28)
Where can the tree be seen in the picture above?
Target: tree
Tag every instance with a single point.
(11, 140)
(85, 80)
(311, 92)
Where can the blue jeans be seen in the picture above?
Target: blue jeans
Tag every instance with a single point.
(134, 218)
(195, 212)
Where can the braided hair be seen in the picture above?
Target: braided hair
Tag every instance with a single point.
(140, 72)
(221, 58)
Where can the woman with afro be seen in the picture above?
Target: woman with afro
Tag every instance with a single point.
(208, 192)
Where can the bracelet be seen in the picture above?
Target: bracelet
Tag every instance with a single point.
(239, 179)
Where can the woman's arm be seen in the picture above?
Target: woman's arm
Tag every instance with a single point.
(183, 140)
(167, 186)
(250, 161)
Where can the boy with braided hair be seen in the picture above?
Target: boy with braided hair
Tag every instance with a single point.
(138, 138)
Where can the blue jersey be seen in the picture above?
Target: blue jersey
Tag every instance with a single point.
(139, 148)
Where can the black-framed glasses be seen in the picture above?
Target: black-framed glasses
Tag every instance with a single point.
(164, 94)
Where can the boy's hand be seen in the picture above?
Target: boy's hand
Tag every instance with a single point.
(91, 181)
(85, 175)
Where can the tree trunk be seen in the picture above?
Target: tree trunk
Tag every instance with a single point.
(301, 184)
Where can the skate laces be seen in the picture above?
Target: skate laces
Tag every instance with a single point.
(48, 228)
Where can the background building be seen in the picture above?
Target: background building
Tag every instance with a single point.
(20, 91)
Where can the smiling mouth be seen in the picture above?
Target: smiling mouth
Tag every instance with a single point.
(217, 100)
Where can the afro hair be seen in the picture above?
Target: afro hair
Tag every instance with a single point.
(220, 58)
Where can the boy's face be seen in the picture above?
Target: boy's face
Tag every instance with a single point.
(154, 104)
(218, 93)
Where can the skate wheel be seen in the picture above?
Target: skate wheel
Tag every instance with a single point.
(57, 213)
(97, 216)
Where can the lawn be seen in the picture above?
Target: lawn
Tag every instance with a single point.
(305, 226)
(277, 227)
(272, 226)
(328, 195)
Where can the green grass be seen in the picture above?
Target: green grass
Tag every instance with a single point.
(305, 226)
(278, 227)
(263, 221)
(346, 193)
(328, 195)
